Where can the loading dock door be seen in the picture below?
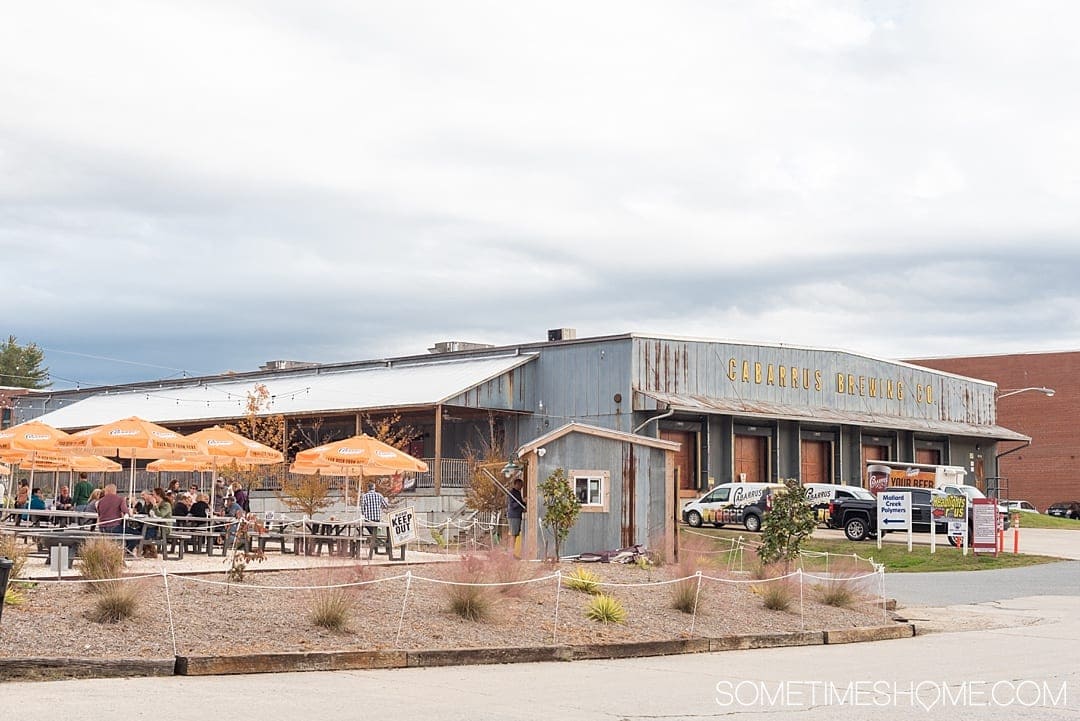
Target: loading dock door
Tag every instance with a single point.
(815, 462)
(751, 456)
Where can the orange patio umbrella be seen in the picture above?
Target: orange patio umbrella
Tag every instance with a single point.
(221, 443)
(359, 456)
(180, 464)
(30, 442)
(130, 438)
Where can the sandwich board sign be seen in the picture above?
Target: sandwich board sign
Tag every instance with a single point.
(402, 528)
(894, 513)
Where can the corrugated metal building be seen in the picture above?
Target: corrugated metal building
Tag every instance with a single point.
(738, 411)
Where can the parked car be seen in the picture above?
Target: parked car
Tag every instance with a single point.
(858, 516)
(1025, 506)
(731, 503)
(1065, 509)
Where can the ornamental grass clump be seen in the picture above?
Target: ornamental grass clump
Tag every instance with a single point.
(582, 579)
(115, 601)
(503, 567)
(465, 594)
(100, 559)
(603, 608)
(17, 555)
(776, 595)
(332, 608)
(837, 592)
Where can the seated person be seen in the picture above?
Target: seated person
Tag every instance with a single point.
(37, 503)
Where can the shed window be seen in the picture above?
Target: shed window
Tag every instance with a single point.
(589, 490)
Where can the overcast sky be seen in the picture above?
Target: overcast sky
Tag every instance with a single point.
(202, 186)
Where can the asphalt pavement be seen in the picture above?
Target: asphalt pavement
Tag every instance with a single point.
(954, 587)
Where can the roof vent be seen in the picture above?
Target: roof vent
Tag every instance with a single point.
(284, 365)
(562, 334)
(452, 346)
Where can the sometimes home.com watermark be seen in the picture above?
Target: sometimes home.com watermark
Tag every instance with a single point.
(928, 695)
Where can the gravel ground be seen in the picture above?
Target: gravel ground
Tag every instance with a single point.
(270, 612)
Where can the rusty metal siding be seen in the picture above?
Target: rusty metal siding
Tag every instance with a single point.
(838, 380)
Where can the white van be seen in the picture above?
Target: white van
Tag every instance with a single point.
(819, 495)
(743, 503)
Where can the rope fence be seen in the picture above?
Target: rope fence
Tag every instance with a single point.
(173, 583)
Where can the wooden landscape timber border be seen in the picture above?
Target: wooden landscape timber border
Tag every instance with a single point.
(52, 668)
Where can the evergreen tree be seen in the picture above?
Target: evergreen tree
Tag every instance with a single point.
(20, 365)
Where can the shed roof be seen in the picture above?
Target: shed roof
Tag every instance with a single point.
(766, 409)
(621, 436)
(415, 384)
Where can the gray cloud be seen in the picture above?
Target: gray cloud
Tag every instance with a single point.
(344, 181)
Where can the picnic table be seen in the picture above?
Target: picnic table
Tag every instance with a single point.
(348, 537)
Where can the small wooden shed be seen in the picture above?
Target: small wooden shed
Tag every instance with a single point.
(624, 482)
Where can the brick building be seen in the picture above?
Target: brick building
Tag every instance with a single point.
(1045, 471)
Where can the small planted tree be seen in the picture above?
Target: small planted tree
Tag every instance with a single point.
(305, 494)
(788, 524)
(561, 507)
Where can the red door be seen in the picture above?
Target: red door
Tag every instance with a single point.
(751, 453)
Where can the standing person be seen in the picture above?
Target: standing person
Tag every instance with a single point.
(515, 510)
(372, 505)
(241, 496)
(81, 492)
(220, 491)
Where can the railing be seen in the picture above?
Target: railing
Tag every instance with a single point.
(455, 474)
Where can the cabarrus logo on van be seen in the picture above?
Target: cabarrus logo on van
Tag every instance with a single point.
(746, 496)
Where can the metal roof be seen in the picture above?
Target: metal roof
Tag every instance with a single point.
(575, 427)
(765, 409)
(319, 391)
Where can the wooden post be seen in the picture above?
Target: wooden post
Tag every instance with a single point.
(530, 531)
(437, 473)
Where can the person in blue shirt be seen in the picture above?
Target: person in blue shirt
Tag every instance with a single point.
(37, 503)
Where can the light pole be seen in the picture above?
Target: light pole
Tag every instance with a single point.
(1048, 392)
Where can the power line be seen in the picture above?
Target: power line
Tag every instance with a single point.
(116, 360)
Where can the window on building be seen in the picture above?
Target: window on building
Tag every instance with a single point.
(592, 488)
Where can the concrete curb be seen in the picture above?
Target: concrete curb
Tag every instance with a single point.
(44, 669)
(49, 668)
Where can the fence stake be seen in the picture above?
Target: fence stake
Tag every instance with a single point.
(558, 595)
(168, 606)
(404, 602)
(697, 595)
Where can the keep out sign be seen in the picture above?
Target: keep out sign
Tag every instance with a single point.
(402, 527)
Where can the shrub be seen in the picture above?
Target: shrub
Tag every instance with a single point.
(100, 559)
(115, 601)
(775, 595)
(503, 567)
(582, 579)
(466, 598)
(838, 592)
(788, 524)
(684, 595)
(9, 548)
(331, 608)
(605, 609)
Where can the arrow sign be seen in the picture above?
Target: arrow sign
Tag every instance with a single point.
(894, 510)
